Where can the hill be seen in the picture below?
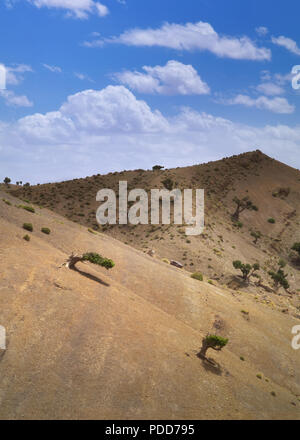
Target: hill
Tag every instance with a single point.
(123, 344)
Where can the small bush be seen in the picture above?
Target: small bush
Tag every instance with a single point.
(26, 237)
(296, 248)
(272, 220)
(28, 208)
(197, 276)
(99, 260)
(168, 184)
(165, 260)
(216, 341)
(46, 231)
(28, 227)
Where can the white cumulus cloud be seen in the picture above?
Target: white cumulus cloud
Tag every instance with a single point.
(190, 36)
(174, 78)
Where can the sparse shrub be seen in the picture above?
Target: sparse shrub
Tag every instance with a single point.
(197, 276)
(92, 257)
(28, 208)
(281, 192)
(7, 202)
(296, 248)
(165, 260)
(256, 235)
(212, 341)
(242, 205)
(28, 227)
(272, 220)
(7, 181)
(259, 376)
(246, 269)
(26, 237)
(168, 184)
(210, 282)
(239, 224)
(157, 168)
(279, 277)
(46, 231)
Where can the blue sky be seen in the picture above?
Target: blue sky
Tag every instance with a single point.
(94, 87)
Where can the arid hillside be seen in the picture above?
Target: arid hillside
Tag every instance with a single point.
(123, 344)
(271, 186)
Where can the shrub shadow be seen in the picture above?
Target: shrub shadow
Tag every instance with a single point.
(90, 276)
(210, 365)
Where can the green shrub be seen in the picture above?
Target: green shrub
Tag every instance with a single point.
(99, 260)
(212, 341)
(256, 235)
(26, 237)
(28, 208)
(197, 276)
(28, 227)
(168, 184)
(279, 277)
(272, 220)
(46, 231)
(246, 269)
(216, 341)
(296, 247)
(7, 202)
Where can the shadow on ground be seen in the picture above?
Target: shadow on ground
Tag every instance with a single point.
(90, 276)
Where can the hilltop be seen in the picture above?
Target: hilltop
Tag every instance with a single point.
(272, 186)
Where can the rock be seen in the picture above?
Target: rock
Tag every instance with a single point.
(151, 252)
(176, 264)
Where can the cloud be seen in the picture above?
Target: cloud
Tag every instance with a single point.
(54, 69)
(13, 100)
(262, 31)
(174, 78)
(14, 73)
(100, 131)
(288, 43)
(276, 105)
(83, 77)
(190, 37)
(270, 89)
(75, 8)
